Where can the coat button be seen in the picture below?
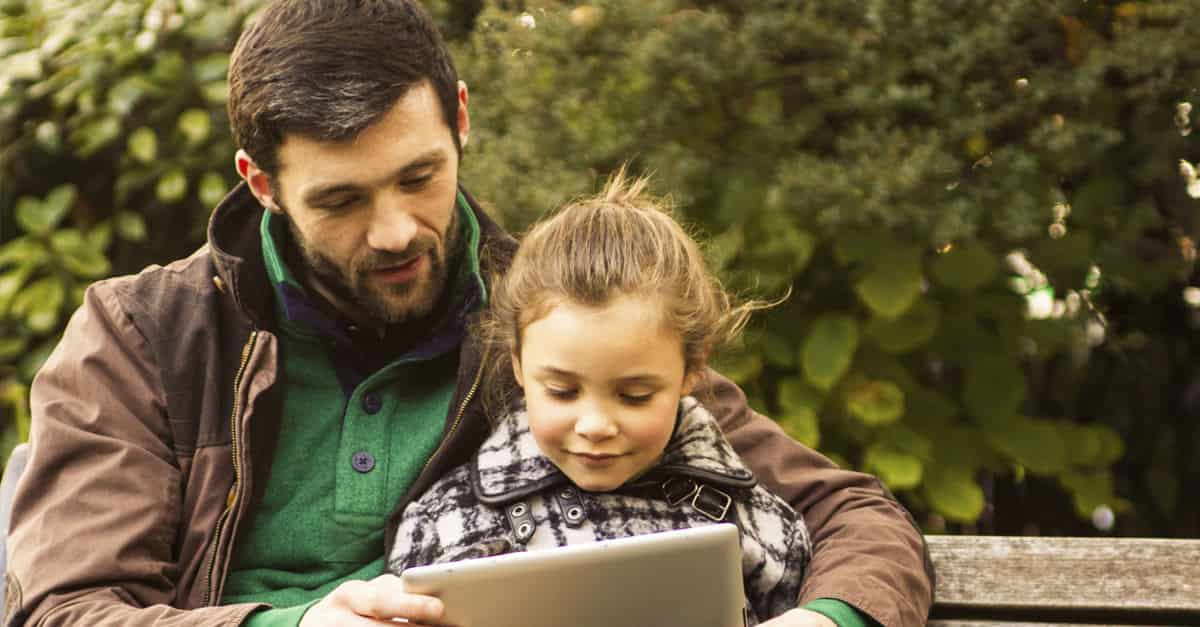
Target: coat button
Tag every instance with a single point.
(363, 461)
(371, 403)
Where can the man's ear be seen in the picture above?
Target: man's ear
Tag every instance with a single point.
(464, 118)
(257, 180)
(516, 366)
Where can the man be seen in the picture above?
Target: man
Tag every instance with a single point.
(224, 441)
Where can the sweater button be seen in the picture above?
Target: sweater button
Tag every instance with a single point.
(371, 403)
(363, 461)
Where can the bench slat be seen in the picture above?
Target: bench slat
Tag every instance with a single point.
(993, 623)
(1096, 576)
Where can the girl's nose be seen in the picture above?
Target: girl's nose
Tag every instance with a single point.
(594, 427)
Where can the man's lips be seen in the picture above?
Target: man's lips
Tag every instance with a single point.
(401, 272)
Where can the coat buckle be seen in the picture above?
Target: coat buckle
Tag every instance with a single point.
(712, 502)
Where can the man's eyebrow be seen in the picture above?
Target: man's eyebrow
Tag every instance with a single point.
(427, 160)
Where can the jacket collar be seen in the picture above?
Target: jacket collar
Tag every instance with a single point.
(235, 246)
(510, 466)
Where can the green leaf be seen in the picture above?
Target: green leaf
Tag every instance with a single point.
(172, 186)
(861, 246)
(216, 92)
(130, 225)
(953, 493)
(994, 388)
(39, 304)
(795, 395)
(143, 144)
(802, 424)
(723, 249)
(908, 332)
(876, 402)
(95, 135)
(740, 367)
(1034, 444)
(1090, 490)
(100, 236)
(828, 351)
(211, 68)
(1112, 448)
(892, 286)
(1085, 444)
(17, 397)
(11, 283)
(212, 189)
(900, 471)
(1065, 261)
(195, 124)
(901, 438)
(78, 255)
(12, 346)
(39, 217)
(966, 267)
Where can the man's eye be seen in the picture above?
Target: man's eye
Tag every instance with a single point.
(339, 204)
(417, 183)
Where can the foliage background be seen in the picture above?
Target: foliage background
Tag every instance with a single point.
(979, 206)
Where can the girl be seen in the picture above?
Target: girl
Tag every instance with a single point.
(606, 319)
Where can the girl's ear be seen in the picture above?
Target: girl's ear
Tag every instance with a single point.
(516, 366)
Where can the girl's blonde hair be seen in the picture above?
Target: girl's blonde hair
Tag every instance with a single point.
(619, 242)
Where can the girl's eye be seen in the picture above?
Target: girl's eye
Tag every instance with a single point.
(561, 394)
(637, 399)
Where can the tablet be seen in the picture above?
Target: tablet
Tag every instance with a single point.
(685, 578)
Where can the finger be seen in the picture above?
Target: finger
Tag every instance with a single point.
(384, 598)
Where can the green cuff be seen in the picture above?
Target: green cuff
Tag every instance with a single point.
(841, 613)
(278, 617)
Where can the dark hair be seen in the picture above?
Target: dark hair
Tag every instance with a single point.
(328, 69)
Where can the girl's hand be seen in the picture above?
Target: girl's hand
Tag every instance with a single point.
(800, 617)
(369, 603)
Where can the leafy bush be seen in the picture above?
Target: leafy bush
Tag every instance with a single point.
(977, 206)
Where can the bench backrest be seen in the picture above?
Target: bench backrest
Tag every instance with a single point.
(1040, 580)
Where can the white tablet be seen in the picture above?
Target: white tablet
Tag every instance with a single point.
(686, 578)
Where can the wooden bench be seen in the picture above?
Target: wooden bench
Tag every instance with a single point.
(1011, 581)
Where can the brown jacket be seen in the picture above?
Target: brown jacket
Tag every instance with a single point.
(154, 423)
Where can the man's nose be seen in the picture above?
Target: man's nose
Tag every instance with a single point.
(594, 426)
(392, 227)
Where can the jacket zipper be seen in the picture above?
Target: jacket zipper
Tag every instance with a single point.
(209, 582)
(462, 410)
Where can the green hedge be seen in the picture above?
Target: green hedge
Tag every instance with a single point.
(978, 208)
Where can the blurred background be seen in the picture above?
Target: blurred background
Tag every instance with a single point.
(986, 211)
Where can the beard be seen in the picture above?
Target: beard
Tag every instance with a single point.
(351, 284)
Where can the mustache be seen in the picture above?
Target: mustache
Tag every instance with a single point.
(382, 260)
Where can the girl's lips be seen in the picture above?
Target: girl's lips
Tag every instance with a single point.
(402, 273)
(597, 459)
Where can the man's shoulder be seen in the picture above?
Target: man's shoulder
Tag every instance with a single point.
(165, 296)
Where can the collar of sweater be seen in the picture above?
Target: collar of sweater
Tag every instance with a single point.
(510, 466)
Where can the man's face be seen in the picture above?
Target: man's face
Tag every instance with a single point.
(374, 218)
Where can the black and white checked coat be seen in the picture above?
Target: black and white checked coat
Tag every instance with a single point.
(512, 498)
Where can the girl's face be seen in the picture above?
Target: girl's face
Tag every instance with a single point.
(602, 387)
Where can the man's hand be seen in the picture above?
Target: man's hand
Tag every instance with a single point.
(800, 617)
(372, 603)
